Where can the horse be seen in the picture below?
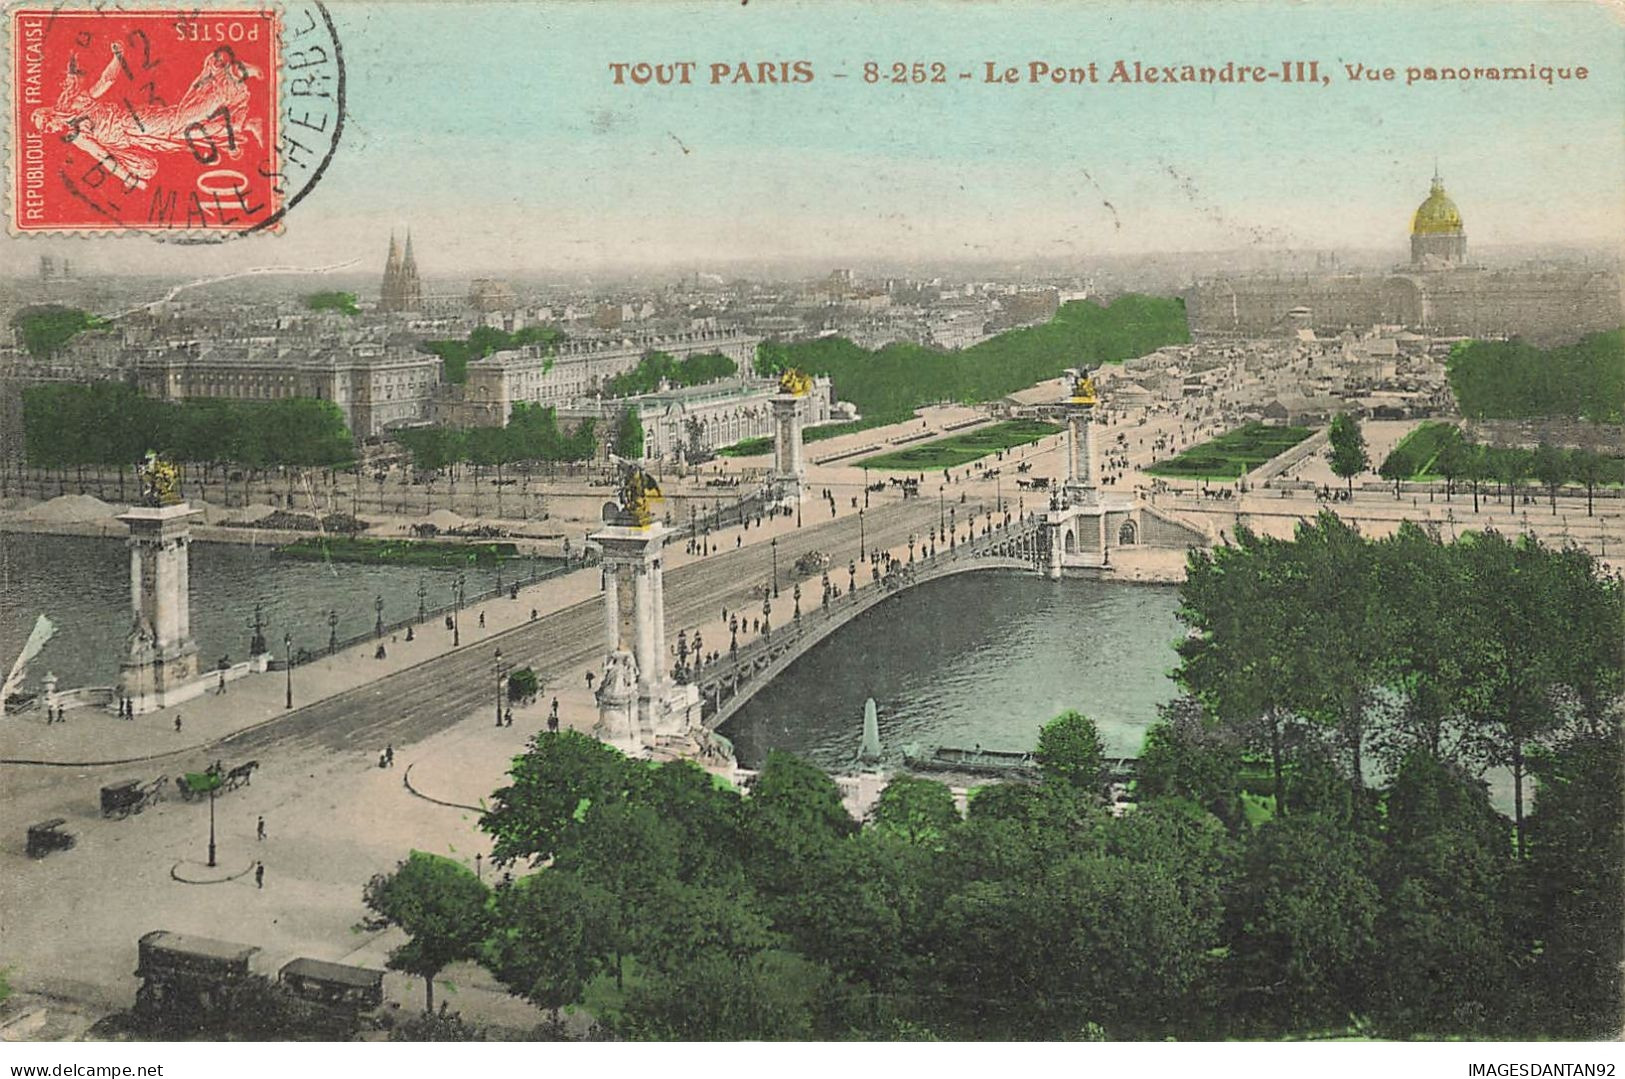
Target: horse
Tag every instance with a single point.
(242, 775)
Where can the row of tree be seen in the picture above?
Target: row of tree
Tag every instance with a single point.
(888, 384)
(45, 328)
(657, 367)
(1514, 380)
(532, 433)
(109, 424)
(1444, 451)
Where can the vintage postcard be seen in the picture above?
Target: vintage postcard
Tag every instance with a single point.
(1025, 521)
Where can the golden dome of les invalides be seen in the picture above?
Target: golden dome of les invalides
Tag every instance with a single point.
(1437, 214)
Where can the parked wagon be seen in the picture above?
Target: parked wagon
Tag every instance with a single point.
(131, 796)
(47, 836)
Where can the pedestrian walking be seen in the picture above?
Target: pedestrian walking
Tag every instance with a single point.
(259, 874)
(259, 828)
(221, 686)
(177, 724)
(482, 619)
(389, 754)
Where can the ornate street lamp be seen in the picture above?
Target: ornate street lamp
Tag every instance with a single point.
(733, 632)
(797, 595)
(456, 615)
(378, 626)
(681, 673)
(863, 546)
(332, 631)
(767, 611)
(774, 544)
(699, 656)
(287, 650)
(500, 671)
(423, 591)
(851, 576)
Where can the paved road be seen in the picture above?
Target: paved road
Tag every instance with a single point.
(413, 704)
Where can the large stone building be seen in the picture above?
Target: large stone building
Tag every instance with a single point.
(1439, 293)
(569, 374)
(695, 421)
(376, 385)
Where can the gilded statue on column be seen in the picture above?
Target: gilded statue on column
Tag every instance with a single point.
(160, 481)
(796, 382)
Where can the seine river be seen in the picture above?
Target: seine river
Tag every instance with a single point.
(979, 658)
(82, 584)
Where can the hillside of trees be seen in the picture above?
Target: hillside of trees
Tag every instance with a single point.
(888, 384)
(1512, 380)
(1268, 884)
(657, 367)
(47, 327)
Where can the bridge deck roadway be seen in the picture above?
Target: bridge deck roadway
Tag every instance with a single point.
(413, 704)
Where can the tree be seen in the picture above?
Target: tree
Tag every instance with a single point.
(1071, 754)
(1450, 461)
(1393, 468)
(1301, 928)
(1445, 955)
(1347, 453)
(1576, 884)
(1188, 755)
(550, 932)
(916, 810)
(1589, 467)
(1551, 467)
(629, 434)
(551, 787)
(441, 907)
(523, 685)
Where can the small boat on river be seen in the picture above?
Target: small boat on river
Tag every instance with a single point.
(977, 761)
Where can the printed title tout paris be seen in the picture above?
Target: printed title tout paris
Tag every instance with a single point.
(1056, 73)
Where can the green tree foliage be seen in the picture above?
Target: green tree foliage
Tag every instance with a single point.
(1072, 755)
(629, 435)
(662, 367)
(47, 327)
(523, 684)
(887, 385)
(916, 810)
(1444, 951)
(106, 424)
(1576, 884)
(549, 937)
(441, 907)
(540, 810)
(1513, 380)
(532, 434)
(342, 302)
(1346, 453)
(482, 341)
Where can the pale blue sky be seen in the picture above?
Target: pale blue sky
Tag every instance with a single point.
(496, 132)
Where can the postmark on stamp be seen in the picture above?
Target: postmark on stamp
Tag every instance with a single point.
(161, 120)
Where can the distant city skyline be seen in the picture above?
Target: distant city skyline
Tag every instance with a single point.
(505, 146)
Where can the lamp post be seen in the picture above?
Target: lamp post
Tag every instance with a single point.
(332, 631)
(699, 656)
(423, 591)
(767, 611)
(214, 780)
(681, 673)
(456, 615)
(851, 576)
(940, 500)
(825, 601)
(378, 626)
(863, 547)
(774, 545)
(479, 862)
(733, 634)
(500, 670)
(287, 650)
(865, 486)
(797, 595)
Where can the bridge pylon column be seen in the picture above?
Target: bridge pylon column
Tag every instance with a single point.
(637, 699)
(789, 469)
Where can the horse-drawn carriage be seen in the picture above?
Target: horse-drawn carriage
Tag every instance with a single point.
(131, 796)
(197, 785)
(47, 836)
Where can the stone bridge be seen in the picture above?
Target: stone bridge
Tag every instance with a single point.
(733, 678)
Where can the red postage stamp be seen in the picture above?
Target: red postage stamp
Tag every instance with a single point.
(144, 121)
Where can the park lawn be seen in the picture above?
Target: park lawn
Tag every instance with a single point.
(963, 448)
(395, 552)
(1419, 449)
(1231, 455)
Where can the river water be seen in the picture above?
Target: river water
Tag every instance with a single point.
(82, 584)
(977, 658)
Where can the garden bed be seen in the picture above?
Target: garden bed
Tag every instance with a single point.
(1231, 455)
(961, 449)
